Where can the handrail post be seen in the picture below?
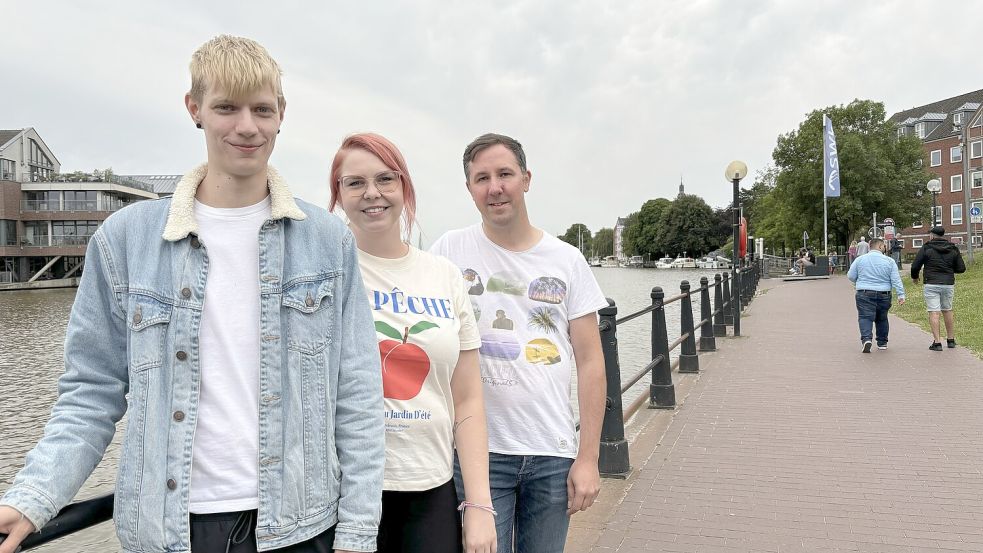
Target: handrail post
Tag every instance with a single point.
(662, 392)
(728, 305)
(719, 316)
(707, 341)
(613, 459)
(689, 361)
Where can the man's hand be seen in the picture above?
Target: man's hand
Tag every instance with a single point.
(914, 280)
(16, 526)
(900, 301)
(583, 485)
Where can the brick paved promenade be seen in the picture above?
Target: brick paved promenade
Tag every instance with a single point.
(790, 439)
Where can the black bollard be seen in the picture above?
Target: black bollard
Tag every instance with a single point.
(719, 317)
(613, 459)
(728, 302)
(689, 361)
(662, 392)
(735, 297)
(707, 341)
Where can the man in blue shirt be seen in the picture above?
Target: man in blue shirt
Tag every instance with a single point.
(875, 274)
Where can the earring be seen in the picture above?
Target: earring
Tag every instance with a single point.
(278, 131)
(197, 124)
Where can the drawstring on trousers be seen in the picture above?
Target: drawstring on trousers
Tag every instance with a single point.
(240, 530)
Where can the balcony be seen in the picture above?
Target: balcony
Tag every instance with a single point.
(55, 241)
(37, 206)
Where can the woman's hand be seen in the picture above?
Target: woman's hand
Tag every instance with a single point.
(479, 531)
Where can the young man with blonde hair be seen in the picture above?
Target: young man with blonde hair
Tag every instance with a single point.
(234, 318)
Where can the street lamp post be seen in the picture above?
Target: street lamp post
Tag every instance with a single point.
(736, 171)
(934, 186)
(963, 131)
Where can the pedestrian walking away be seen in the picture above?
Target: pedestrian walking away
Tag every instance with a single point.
(229, 323)
(875, 274)
(863, 247)
(536, 313)
(941, 261)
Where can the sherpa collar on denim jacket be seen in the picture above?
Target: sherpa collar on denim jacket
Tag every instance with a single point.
(181, 218)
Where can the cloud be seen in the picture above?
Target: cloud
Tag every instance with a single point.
(613, 101)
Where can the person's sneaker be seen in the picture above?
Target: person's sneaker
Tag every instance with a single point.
(951, 343)
(936, 346)
(881, 346)
(868, 344)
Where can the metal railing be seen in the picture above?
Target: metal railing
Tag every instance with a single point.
(55, 240)
(69, 205)
(729, 295)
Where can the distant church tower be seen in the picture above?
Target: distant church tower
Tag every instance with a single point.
(681, 191)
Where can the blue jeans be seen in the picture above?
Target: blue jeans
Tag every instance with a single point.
(872, 308)
(530, 494)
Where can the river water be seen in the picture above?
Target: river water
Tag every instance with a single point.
(32, 334)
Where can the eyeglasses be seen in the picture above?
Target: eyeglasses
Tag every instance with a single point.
(355, 185)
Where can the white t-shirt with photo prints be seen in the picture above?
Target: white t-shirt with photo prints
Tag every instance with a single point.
(524, 302)
(423, 321)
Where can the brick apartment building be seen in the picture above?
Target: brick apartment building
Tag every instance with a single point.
(951, 131)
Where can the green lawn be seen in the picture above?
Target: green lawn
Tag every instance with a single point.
(968, 306)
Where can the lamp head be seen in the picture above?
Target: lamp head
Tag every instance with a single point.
(736, 170)
(934, 186)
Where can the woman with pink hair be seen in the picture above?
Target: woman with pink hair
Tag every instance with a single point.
(428, 343)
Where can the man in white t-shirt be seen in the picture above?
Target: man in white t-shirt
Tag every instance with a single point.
(537, 316)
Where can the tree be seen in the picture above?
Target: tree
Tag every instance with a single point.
(603, 242)
(578, 236)
(688, 225)
(629, 236)
(879, 172)
(649, 222)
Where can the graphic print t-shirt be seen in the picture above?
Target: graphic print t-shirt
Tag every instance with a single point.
(423, 320)
(523, 302)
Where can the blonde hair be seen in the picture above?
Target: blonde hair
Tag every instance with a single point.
(238, 65)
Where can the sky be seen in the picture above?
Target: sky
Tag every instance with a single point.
(614, 102)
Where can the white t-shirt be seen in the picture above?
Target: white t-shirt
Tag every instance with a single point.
(524, 302)
(224, 468)
(423, 320)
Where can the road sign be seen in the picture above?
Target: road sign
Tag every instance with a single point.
(976, 219)
(805, 235)
(888, 221)
(974, 211)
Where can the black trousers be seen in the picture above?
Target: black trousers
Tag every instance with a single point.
(236, 533)
(420, 522)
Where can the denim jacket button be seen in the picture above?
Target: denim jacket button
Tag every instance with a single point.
(186, 293)
(171, 484)
(181, 355)
(137, 318)
(195, 243)
(179, 416)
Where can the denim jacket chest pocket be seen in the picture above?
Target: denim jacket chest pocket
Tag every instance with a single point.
(309, 313)
(147, 320)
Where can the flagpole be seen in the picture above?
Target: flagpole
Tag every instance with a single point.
(825, 233)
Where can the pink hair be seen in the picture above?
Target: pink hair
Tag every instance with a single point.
(389, 154)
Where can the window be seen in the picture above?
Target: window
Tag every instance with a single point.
(976, 149)
(8, 232)
(956, 214)
(956, 183)
(35, 233)
(918, 224)
(901, 242)
(978, 122)
(957, 118)
(976, 177)
(900, 131)
(977, 239)
(957, 240)
(42, 201)
(955, 154)
(937, 220)
(80, 200)
(7, 169)
(917, 242)
(936, 158)
(920, 130)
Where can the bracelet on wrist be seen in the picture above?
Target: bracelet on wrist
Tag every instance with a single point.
(465, 504)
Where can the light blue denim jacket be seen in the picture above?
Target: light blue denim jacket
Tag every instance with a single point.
(321, 436)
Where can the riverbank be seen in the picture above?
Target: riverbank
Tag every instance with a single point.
(968, 305)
